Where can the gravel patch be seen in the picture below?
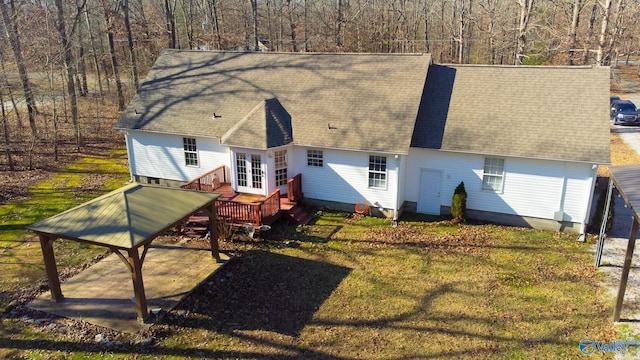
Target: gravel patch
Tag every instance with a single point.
(614, 250)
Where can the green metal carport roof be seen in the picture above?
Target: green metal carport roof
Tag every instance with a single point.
(626, 179)
(124, 219)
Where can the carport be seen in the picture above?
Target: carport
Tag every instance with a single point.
(626, 179)
(125, 221)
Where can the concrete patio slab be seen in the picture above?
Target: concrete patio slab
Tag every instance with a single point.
(103, 294)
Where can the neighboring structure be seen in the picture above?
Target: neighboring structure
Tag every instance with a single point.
(392, 130)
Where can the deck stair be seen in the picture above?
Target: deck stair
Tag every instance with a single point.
(298, 215)
(197, 226)
(241, 209)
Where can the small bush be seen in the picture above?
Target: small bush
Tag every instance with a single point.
(459, 204)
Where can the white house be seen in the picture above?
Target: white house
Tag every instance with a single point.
(392, 130)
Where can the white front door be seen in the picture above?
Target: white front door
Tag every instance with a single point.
(430, 187)
(249, 173)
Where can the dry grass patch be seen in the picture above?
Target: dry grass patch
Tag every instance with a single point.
(356, 288)
(419, 290)
(621, 154)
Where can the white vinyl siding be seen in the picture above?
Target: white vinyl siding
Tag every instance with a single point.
(533, 188)
(162, 156)
(344, 177)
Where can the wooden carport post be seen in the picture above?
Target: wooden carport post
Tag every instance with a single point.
(213, 231)
(46, 244)
(138, 285)
(625, 269)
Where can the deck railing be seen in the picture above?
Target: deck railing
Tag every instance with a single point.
(255, 213)
(294, 188)
(208, 181)
(270, 206)
(238, 213)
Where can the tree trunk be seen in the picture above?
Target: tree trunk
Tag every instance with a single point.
(525, 15)
(69, 64)
(461, 29)
(82, 68)
(132, 53)
(94, 50)
(254, 15)
(292, 24)
(7, 135)
(16, 47)
(606, 7)
(5, 82)
(306, 27)
(339, 25)
(112, 51)
(573, 30)
(617, 30)
(592, 22)
(169, 13)
(216, 25)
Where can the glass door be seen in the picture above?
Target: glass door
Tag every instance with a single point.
(249, 173)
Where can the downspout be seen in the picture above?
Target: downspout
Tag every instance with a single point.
(127, 141)
(563, 193)
(585, 221)
(398, 175)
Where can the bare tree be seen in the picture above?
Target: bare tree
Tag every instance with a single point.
(254, 18)
(7, 135)
(109, 17)
(292, 24)
(618, 29)
(339, 22)
(132, 52)
(70, 66)
(94, 52)
(606, 7)
(16, 47)
(170, 17)
(573, 30)
(5, 121)
(526, 7)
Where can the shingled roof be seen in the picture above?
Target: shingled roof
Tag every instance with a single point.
(260, 100)
(558, 113)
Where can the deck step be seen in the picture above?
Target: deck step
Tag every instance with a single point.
(299, 216)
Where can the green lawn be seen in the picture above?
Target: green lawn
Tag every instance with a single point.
(355, 287)
(20, 253)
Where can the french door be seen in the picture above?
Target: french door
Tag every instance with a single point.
(249, 173)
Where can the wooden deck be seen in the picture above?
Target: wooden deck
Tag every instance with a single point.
(240, 209)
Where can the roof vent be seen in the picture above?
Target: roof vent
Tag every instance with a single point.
(215, 116)
(330, 127)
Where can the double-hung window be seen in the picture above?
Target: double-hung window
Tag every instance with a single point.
(377, 171)
(493, 174)
(190, 151)
(281, 167)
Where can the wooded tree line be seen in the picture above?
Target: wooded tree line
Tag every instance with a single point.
(104, 47)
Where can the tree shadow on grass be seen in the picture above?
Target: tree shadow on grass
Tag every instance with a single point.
(264, 291)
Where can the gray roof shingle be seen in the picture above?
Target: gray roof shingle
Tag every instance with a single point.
(365, 102)
(539, 112)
